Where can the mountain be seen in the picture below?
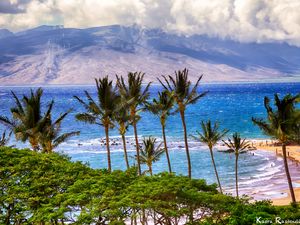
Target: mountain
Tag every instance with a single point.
(4, 33)
(58, 55)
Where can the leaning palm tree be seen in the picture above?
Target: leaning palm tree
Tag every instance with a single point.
(150, 153)
(51, 135)
(210, 136)
(184, 95)
(122, 117)
(237, 146)
(27, 122)
(162, 108)
(134, 91)
(101, 112)
(4, 139)
(279, 125)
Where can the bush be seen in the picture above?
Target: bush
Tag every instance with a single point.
(45, 189)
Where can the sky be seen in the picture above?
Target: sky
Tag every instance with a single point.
(241, 20)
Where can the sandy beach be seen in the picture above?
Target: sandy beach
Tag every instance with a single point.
(293, 153)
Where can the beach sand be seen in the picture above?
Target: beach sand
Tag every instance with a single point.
(293, 153)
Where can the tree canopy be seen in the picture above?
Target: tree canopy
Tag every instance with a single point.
(41, 188)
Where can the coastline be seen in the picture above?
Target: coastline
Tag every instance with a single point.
(293, 153)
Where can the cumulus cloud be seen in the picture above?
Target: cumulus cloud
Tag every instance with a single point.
(242, 20)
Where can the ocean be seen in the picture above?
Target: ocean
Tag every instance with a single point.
(232, 105)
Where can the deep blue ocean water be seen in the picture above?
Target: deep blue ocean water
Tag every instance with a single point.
(232, 105)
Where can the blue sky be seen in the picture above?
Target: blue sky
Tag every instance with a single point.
(242, 20)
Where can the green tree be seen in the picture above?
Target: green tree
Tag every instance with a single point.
(279, 125)
(51, 136)
(150, 153)
(101, 112)
(49, 189)
(137, 95)
(184, 94)
(162, 108)
(28, 121)
(210, 136)
(122, 117)
(237, 146)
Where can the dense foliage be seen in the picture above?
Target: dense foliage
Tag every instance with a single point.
(45, 189)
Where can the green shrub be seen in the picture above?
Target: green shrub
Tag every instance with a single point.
(47, 189)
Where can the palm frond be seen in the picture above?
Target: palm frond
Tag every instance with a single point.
(210, 134)
(236, 144)
(87, 118)
(18, 103)
(5, 138)
(64, 137)
(280, 120)
(7, 122)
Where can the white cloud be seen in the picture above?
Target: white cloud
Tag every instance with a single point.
(243, 20)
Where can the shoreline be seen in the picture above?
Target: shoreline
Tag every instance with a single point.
(293, 154)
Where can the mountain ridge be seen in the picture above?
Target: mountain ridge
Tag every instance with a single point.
(58, 55)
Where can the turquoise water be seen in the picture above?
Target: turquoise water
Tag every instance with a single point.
(232, 105)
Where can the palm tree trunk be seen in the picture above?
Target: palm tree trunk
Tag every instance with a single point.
(216, 172)
(34, 144)
(166, 148)
(137, 147)
(107, 147)
(286, 166)
(236, 177)
(150, 169)
(125, 151)
(186, 144)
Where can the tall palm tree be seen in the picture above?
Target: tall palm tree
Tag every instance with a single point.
(237, 146)
(122, 117)
(133, 90)
(210, 136)
(27, 122)
(150, 153)
(279, 125)
(101, 112)
(184, 94)
(50, 137)
(162, 108)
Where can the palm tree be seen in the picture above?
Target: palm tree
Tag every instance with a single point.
(122, 117)
(184, 95)
(133, 91)
(101, 112)
(27, 122)
(50, 138)
(210, 136)
(162, 108)
(279, 125)
(5, 139)
(237, 146)
(150, 153)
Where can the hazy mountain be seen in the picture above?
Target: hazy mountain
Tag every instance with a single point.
(57, 55)
(5, 33)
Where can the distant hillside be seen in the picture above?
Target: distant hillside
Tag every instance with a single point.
(57, 55)
(4, 33)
